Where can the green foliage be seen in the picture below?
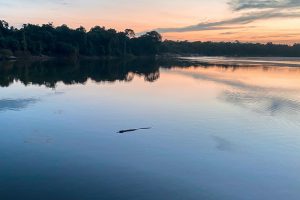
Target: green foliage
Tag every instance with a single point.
(64, 41)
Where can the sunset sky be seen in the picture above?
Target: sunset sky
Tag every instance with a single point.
(217, 20)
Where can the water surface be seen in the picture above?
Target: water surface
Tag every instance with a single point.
(220, 130)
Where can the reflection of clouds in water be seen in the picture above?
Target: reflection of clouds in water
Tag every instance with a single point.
(245, 61)
(9, 104)
(257, 98)
(228, 82)
(222, 144)
(16, 104)
(262, 102)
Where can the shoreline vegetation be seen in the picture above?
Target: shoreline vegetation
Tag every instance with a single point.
(43, 42)
(48, 41)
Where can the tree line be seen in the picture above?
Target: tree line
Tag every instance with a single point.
(46, 39)
(67, 42)
(230, 49)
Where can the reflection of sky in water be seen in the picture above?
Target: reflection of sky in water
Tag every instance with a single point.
(216, 134)
(248, 93)
(15, 104)
(262, 102)
(271, 61)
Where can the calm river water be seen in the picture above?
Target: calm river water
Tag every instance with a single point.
(219, 129)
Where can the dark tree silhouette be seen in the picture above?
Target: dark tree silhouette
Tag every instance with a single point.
(66, 42)
(63, 41)
(229, 49)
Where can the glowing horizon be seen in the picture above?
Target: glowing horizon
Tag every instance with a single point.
(195, 20)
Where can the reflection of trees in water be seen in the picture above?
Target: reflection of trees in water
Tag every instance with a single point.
(50, 72)
(152, 77)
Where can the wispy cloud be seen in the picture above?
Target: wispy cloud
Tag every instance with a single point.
(259, 10)
(238, 5)
(241, 20)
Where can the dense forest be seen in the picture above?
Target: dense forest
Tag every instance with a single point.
(62, 41)
(66, 42)
(230, 49)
